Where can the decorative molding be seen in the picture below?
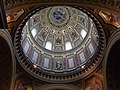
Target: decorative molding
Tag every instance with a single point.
(94, 83)
(113, 5)
(23, 83)
(68, 77)
(58, 87)
(13, 15)
(110, 18)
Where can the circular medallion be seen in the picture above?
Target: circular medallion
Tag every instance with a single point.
(58, 16)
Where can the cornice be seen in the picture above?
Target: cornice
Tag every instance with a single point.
(113, 5)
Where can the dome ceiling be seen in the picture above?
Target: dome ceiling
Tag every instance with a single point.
(59, 40)
(53, 31)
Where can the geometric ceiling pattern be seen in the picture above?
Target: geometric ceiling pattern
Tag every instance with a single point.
(59, 43)
(59, 38)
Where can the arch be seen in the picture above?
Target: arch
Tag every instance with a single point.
(111, 63)
(59, 87)
(7, 61)
(101, 4)
(113, 66)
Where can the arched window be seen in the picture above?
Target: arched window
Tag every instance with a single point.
(35, 56)
(71, 62)
(34, 32)
(46, 62)
(83, 33)
(91, 48)
(68, 46)
(48, 45)
(82, 57)
(26, 47)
